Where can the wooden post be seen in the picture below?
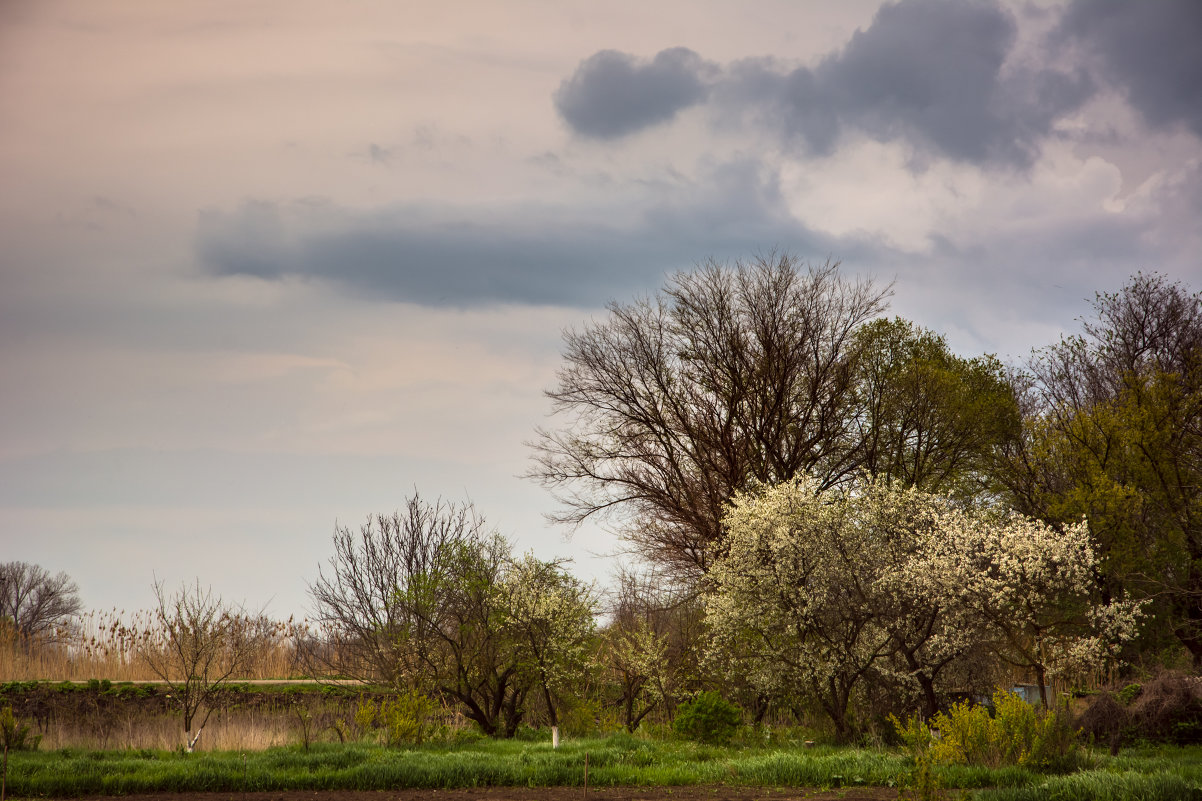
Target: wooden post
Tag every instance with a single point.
(586, 776)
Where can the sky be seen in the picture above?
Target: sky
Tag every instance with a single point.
(270, 266)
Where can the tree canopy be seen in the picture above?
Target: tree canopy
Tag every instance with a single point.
(750, 375)
(1113, 432)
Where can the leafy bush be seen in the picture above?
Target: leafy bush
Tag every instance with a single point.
(406, 719)
(708, 718)
(14, 735)
(1128, 694)
(1016, 733)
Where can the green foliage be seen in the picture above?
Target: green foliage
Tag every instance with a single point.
(1016, 733)
(14, 735)
(708, 718)
(366, 713)
(1128, 694)
(407, 719)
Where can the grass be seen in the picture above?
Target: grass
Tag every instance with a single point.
(1153, 773)
(229, 763)
(1149, 774)
(617, 760)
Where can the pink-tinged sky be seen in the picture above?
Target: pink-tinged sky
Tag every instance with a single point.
(266, 266)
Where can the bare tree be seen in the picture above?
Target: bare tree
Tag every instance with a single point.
(34, 600)
(382, 600)
(203, 643)
(728, 378)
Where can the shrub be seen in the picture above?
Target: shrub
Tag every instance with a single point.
(406, 718)
(708, 718)
(1169, 707)
(1016, 733)
(14, 735)
(1166, 708)
(1105, 720)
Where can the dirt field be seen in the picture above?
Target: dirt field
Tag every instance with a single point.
(546, 794)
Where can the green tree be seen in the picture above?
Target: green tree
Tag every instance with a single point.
(432, 601)
(384, 597)
(927, 417)
(652, 644)
(1113, 432)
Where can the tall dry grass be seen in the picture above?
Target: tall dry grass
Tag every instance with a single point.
(113, 645)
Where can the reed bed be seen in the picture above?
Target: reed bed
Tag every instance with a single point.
(113, 645)
(237, 730)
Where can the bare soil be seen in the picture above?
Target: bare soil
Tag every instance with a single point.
(688, 793)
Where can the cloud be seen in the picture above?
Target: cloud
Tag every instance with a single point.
(1150, 50)
(931, 73)
(524, 254)
(612, 94)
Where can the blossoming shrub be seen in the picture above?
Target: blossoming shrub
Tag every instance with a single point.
(1016, 733)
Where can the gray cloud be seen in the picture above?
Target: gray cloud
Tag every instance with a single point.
(1153, 51)
(928, 72)
(450, 257)
(612, 94)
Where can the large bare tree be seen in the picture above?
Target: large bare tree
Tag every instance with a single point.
(731, 376)
(34, 600)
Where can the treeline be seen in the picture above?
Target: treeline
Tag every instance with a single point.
(833, 516)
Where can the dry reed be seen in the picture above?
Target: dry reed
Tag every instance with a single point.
(112, 645)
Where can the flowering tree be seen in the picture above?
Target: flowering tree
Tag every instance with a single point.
(651, 645)
(822, 590)
(793, 602)
(551, 616)
(1033, 587)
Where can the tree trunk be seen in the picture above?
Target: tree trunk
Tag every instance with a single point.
(1042, 678)
(930, 701)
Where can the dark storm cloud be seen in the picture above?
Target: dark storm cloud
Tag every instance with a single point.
(612, 94)
(526, 255)
(1152, 50)
(928, 72)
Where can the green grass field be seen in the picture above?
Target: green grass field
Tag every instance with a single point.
(1160, 773)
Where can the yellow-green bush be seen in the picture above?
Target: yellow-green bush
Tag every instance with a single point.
(407, 718)
(1015, 733)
